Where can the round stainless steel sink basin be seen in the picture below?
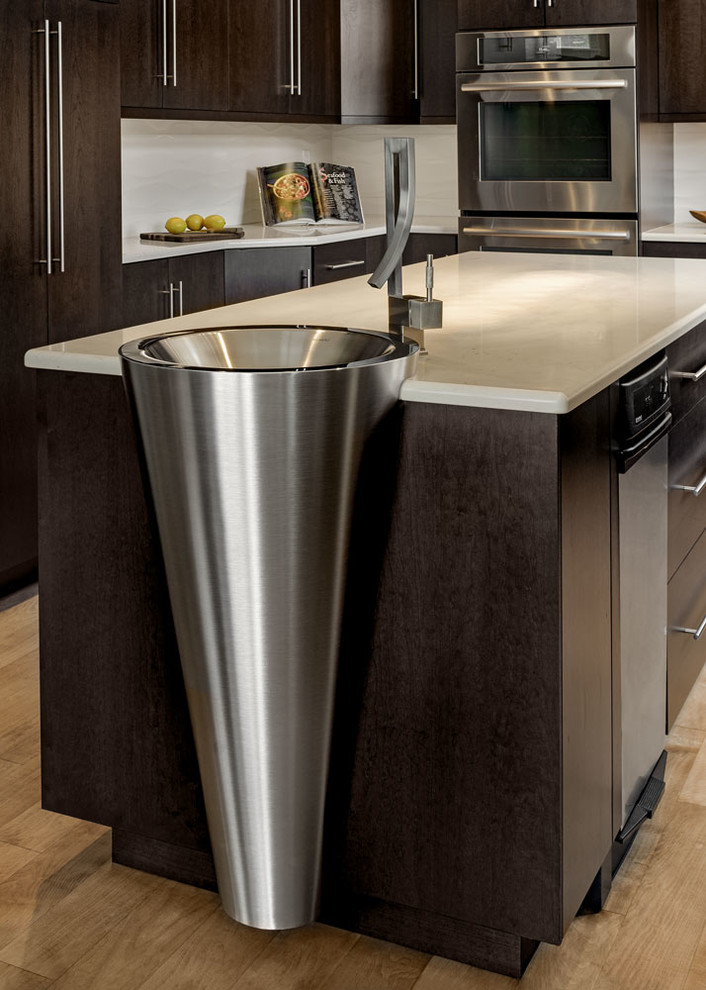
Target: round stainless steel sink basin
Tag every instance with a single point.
(253, 438)
(267, 348)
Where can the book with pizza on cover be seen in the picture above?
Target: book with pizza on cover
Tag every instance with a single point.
(321, 193)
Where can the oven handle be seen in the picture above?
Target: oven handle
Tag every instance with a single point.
(523, 85)
(572, 235)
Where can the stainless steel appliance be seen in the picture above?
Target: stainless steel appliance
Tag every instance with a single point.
(252, 438)
(547, 130)
(640, 671)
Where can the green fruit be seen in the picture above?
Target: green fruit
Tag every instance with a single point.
(175, 225)
(194, 221)
(214, 222)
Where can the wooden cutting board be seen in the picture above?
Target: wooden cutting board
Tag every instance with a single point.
(195, 235)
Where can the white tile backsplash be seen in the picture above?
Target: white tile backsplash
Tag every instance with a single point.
(689, 170)
(176, 167)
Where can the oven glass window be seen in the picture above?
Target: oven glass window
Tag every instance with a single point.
(562, 141)
(545, 48)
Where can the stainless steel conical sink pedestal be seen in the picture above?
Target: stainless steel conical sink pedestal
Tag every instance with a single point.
(252, 438)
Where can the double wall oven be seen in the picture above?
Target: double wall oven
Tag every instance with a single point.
(547, 140)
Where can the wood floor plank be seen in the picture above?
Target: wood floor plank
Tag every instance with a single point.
(38, 829)
(576, 963)
(625, 885)
(295, 959)
(49, 877)
(52, 942)
(212, 957)
(682, 737)
(20, 788)
(372, 963)
(12, 859)
(696, 977)
(12, 978)
(693, 713)
(131, 951)
(694, 787)
(658, 936)
(444, 974)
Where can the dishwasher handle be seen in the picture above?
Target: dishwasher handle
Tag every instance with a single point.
(627, 456)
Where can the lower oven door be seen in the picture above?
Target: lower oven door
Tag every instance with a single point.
(548, 235)
(557, 141)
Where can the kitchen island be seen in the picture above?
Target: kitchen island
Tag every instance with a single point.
(470, 806)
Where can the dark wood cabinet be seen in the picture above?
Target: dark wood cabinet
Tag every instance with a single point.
(380, 79)
(156, 290)
(251, 273)
(397, 61)
(514, 14)
(499, 15)
(420, 245)
(682, 73)
(437, 61)
(284, 58)
(82, 293)
(174, 54)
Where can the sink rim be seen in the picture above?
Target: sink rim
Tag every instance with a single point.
(134, 350)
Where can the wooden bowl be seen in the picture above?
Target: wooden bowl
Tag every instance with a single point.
(699, 215)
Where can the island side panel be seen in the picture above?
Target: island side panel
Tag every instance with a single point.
(587, 475)
(451, 801)
(116, 743)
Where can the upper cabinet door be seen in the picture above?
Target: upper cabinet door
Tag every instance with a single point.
(174, 54)
(682, 73)
(284, 57)
(437, 55)
(197, 55)
(143, 50)
(318, 59)
(262, 36)
(380, 73)
(499, 15)
(576, 13)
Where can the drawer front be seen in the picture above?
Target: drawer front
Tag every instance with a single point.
(687, 467)
(686, 610)
(333, 262)
(687, 356)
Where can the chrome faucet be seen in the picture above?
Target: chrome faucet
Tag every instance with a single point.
(409, 316)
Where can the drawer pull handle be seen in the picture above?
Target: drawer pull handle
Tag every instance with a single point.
(693, 376)
(344, 264)
(693, 489)
(692, 632)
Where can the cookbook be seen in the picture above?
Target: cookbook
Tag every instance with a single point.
(321, 193)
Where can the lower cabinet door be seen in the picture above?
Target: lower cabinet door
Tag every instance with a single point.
(197, 282)
(686, 611)
(344, 259)
(687, 468)
(251, 273)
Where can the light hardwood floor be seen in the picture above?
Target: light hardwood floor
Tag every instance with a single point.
(71, 920)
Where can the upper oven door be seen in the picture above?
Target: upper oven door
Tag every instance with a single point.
(546, 48)
(547, 141)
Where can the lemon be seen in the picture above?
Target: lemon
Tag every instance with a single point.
(175, 225)
(214, 222)
(194, 221)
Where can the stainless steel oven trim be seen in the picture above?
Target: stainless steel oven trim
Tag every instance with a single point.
(622, 49)
(620, 237)
(618, 195)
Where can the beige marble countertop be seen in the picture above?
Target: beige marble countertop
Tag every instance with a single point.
(521, 331)
(686, 231)
(259, 236)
